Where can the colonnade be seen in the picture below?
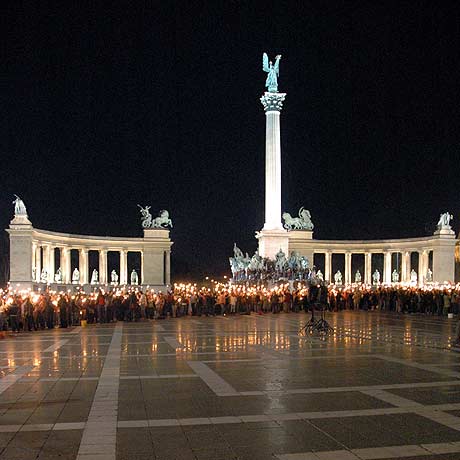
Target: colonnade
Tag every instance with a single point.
(43, 258)
(403, 268)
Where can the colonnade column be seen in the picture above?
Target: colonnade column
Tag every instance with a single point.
(387, 267)
(65, 258)
(141, 281)
(123, 267)
(422, 266)
(51, 264)
(348, 268)
(327, 266)
(38, 262)
(83, 265)
(368, 268)
(103, 266)
(405, 266)
(34, 260)
(46, 261)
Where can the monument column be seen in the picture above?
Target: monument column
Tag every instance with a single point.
(387, 267)
(83, 265)
(368, 267)
(123, 266)
(348, 268)
(102, 266)
(273, 237)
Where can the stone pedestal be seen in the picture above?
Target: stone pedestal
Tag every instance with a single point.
(444, 256)
(271, 241)
(20, 232)
(156, 257)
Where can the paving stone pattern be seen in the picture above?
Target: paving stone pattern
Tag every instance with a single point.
(382, 386)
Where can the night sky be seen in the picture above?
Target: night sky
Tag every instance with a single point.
(157, 103)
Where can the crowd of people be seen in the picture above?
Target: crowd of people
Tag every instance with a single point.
(34, 311)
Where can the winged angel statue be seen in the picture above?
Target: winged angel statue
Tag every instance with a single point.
(273, 72)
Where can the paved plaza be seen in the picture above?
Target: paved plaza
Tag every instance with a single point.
(246, 387)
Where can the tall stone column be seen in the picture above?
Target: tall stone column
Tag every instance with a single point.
(65, 257)
(46, 260)
(405, 267)
(328, 266)
(348, 268)
(422, 266)
(103, 266)
(51, 264)
(83, 265)
(387, 267)
(368, 268)
(273, 237)
(123, 266)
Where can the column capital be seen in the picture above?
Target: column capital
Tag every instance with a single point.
(272, 102)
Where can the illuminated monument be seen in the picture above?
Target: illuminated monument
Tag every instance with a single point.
(432, 257)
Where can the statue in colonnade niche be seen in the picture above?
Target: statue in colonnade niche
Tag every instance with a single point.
(320, 275)
(76, 276)
(413, 276)
(113, 277)
(58, 276)
(358, 277)
(44, 276)
(134, 277)
(429, 276)
(94, 277)
(338, 277)
(395, 276)
(376, 277)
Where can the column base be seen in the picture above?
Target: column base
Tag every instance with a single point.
(271, 241)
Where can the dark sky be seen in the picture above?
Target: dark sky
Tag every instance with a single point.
(158, 103)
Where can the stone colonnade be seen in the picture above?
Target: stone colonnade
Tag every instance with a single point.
(32, 253)
(435, 252)
(403, 268)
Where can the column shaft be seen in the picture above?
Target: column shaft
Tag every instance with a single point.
(83, 265)
(387, 267)
(368, 268)
(103, 266)
(328, 266)
(51, 264)
(272, 171)
(65, 257)
(123, 267)
(348, 268)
